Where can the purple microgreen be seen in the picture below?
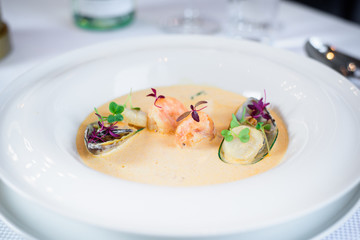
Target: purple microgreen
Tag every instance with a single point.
(258, 108)
(99, 134)
(98, 115)
(152, 94)
(182, 116)
(200, 103)
(195, 116)
(155, 96)
(194, 112)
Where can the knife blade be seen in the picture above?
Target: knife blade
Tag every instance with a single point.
(345, 64)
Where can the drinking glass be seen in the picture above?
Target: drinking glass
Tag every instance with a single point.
(253, 19)
(191, 21)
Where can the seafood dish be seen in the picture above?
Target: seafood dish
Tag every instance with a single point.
(183, 135)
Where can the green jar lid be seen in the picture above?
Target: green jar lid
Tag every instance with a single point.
(4, 40)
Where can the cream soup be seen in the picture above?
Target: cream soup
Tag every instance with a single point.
(154, 158)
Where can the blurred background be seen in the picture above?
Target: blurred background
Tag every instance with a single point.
(346, 9)
(36, 30)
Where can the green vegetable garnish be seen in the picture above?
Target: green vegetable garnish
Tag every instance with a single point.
(116, 111)
(242, 120)
(260, 126)
(128, 100)
(234, 122)
(197, 94)
(244, 135)
(227, 135)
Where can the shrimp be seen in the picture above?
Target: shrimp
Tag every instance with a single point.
(189, 132)
(162, 118)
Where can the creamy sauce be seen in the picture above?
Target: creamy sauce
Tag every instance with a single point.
(154, 158)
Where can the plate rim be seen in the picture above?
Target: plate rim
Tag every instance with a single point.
(18, 81)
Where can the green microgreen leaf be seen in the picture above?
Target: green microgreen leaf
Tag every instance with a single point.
(259, 125)
(227, 135)
(119, 109)
(267, 127)
(135, 108)
(111, 119)
(234, 122)
(112, 107)
(118, 117)
(244, 135)
(115, 108)
(116, 111)
(243, 120)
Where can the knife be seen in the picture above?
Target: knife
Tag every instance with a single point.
(346, 65)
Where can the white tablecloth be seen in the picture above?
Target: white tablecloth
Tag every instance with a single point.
(42, 29)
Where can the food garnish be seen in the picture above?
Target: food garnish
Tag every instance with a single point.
(193, 111)
(154, 94)
(99, 134)
(252, 117)
(262, 127)
(100, 139)
(132, 115)
(258, 108)
(108, 133)
(128, 100)
(163, 119)
(115, 115)
(229, 134)
(189, 132)
(197, 94)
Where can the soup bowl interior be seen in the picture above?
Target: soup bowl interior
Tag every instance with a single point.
(43, 109)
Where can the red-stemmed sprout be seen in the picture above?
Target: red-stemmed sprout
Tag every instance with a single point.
(98, 135)
(194, 112)
(258, 108)
(155, 96)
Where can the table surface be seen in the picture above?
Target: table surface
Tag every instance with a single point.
(42, 29)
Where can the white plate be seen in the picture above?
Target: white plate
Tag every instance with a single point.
(19, 214)
(42, 110)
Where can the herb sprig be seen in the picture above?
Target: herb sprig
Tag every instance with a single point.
(128, 100)
(115, 115)
(154, 94)
(116, 110)
(244, 134)
(258, 108)
(193, 111)
(262, 127)
(99, 134)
